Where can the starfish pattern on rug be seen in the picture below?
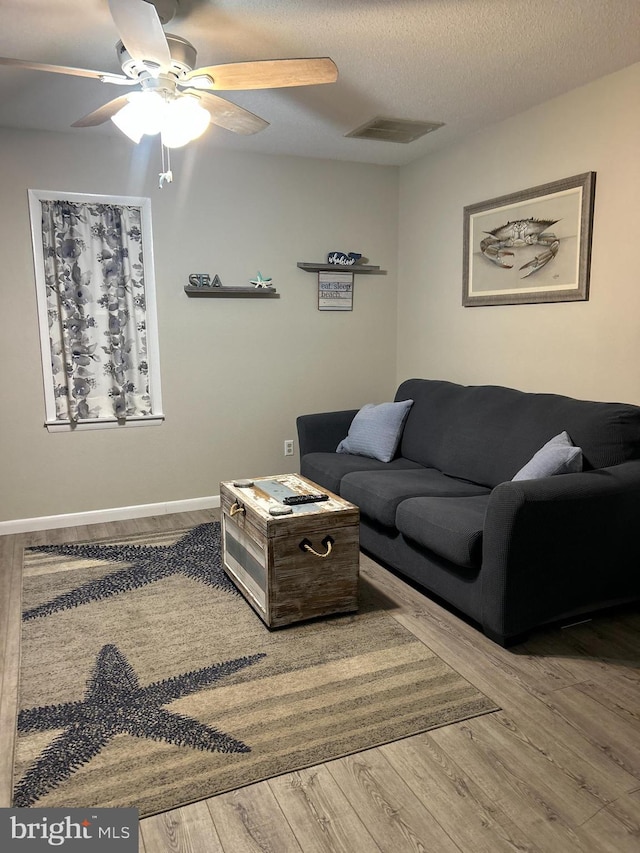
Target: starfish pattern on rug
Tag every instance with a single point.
(196, 555)
(115, 703)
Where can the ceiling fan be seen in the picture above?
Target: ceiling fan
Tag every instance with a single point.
(171, 96)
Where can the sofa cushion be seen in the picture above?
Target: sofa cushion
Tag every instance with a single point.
(557, 456)
(487, 433)
(450, 527)
(328, 469)
(375, 431)
(378, 493)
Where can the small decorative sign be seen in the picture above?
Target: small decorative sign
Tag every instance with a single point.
(335, 291)
(341, 259)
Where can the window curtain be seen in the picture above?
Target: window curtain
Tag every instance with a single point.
(94, 274)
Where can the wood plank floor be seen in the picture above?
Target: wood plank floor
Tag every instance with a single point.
(557, 769)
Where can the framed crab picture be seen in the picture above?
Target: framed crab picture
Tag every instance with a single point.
(530, 246)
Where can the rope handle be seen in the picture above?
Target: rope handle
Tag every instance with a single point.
(305, 545)
(235, 509)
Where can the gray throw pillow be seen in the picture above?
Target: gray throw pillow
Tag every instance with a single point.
(557, 456)
(375, 431)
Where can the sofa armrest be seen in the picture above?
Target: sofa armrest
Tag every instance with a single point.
(560, 546)
(323, 432)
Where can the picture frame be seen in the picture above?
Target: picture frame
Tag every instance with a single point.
(530, 246)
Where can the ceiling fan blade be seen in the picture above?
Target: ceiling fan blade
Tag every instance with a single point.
(103, 113)
(269, 73)
(141, 32)
(64, 69)
(228, 115)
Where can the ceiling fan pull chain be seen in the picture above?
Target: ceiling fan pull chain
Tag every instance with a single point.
(166, 175)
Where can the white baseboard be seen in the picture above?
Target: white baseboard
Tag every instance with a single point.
(120, 513)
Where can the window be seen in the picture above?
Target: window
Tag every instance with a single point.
(93, 258)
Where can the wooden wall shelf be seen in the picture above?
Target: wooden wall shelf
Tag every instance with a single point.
(242, 292)
(355, 268)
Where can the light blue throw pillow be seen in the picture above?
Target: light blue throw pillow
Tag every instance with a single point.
(557, 456)
(376, 429)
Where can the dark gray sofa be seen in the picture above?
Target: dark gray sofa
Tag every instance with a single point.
(444, 512)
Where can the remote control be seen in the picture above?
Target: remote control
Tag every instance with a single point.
(293, 500)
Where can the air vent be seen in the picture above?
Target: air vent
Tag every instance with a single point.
(394, 129)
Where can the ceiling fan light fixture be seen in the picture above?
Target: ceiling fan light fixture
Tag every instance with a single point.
(179, 119)
(144, 114)
(184, 121)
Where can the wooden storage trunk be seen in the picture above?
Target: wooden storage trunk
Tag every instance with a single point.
(266, 557)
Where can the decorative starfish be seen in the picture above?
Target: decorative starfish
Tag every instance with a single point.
(197, 555)
(116, 704)
(261, 281)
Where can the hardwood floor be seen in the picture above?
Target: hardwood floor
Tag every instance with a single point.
(557, 769)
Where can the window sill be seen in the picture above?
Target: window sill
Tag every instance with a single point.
(103, 423)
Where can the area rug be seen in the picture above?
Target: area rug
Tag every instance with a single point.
(147, 681)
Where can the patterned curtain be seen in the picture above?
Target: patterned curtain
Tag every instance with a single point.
(94, 276)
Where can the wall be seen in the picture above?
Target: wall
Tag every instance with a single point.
(236, 372)
(585, 349)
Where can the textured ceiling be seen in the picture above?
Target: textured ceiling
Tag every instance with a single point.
(467, 63)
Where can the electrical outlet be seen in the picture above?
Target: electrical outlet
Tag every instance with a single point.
(288, 447)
